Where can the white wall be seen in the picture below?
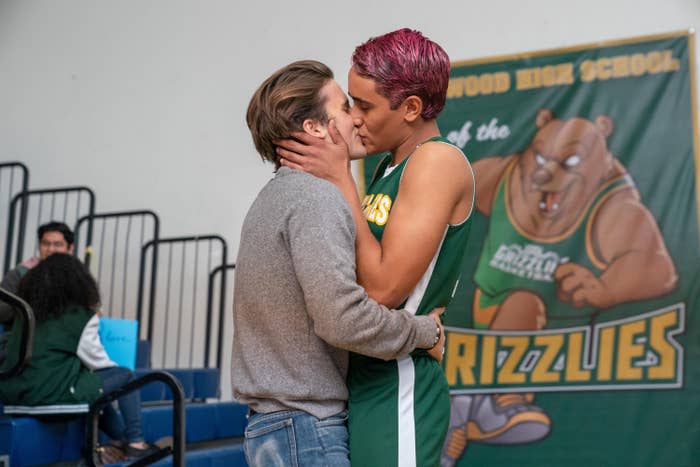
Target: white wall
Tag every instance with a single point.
(145, 100)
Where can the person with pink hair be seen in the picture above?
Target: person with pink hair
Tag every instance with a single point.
(412, 230)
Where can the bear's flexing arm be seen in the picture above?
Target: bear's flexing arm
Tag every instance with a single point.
(626, 238)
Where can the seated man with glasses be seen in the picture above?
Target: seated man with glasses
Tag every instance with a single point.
(54, 237)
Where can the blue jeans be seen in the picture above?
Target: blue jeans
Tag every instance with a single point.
(126, 427)
(297, 439)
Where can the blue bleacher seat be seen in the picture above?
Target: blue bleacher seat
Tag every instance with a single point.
(197, 384)
(32, 441)
(205, 421)
(143, 354)
(206, 383)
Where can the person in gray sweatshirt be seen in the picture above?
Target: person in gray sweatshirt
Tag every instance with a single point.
(298, 309)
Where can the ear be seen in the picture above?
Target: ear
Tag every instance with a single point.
(544, 116)
(314, 128)
(605, 125)
(414, 108)
(71, 247)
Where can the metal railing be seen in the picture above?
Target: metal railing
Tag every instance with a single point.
(26, 341)
(91, 455)
(178, 321)
(117, 256)
(33, 214)
(14, 178)
(178, 448)
(224, 341)
(222, 269)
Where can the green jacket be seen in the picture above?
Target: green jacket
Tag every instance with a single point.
(55, 374)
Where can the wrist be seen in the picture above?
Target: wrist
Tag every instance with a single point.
(438, 334)
(346, 181)
(431, 332)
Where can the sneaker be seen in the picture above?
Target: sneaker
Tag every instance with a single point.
(455, 444)
(507, 419)
(137, 453)
(112, 452)
(456, 439)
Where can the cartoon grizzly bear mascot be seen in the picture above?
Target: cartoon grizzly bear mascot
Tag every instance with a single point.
(568, 238)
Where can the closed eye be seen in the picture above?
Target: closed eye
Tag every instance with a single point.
(364, 106)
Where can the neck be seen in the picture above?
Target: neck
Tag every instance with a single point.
(426, 129)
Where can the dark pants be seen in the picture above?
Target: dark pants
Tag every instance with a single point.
(126, 427)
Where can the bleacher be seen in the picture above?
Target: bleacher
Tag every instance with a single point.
(177, 290)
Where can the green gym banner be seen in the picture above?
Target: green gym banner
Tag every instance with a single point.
(573, 337)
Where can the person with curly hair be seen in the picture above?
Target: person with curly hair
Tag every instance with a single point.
(69, 364)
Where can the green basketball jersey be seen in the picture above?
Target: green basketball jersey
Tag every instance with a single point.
(514, 260)
(440, 279)
(399, 410)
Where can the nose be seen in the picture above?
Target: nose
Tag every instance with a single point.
(541, 176)
(355, 115)
(545, 173)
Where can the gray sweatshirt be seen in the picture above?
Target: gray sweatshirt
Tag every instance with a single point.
(297, 306)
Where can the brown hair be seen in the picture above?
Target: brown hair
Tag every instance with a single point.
(282, 103)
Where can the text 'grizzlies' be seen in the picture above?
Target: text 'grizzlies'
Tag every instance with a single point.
(635, 352)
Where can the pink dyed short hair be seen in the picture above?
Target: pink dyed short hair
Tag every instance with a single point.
(405, 63)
